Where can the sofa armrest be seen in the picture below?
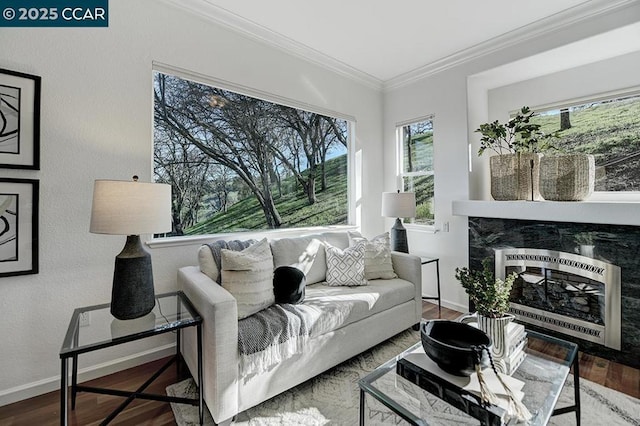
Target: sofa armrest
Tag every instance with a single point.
(219, 312)
(409, 267)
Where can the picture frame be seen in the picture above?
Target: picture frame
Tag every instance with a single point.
(19, 120)
(19, 200)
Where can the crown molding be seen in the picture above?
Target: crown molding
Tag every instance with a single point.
(548, 25)
(254, 31)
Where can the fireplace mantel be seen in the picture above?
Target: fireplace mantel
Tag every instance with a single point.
(603, 212)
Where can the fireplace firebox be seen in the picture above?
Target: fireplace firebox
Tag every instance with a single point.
(566, 292)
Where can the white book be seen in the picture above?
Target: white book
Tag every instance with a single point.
(514, 344)
(516, 353)
(512, 367)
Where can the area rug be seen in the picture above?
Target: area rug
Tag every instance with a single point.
(332, 398)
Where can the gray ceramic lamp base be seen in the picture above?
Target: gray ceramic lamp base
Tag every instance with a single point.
(132, 294)
(399, 237)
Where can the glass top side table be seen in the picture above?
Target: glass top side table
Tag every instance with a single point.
(543, 371)
(425, 260)
(93, 328)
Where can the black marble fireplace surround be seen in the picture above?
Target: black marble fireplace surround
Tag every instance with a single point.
(615, 244)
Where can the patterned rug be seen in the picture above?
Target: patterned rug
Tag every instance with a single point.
(333, 398)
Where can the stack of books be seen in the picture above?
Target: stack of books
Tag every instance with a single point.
(516, 341)
(516, 344)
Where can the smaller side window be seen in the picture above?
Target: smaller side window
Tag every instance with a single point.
(415, 141)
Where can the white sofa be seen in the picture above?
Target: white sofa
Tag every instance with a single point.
(376, 312)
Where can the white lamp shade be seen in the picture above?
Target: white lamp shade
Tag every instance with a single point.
(398, 204)
(130, 208)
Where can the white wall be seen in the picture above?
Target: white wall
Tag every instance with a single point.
(459, 99)
(97, 123)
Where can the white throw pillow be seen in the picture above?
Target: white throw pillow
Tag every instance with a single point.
(345, 267)
(248, 276)
(377, 258)
(304, 253)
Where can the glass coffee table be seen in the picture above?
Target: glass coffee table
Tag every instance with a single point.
(93, 328)
(544, 370)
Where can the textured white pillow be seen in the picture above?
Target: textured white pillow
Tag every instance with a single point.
(377, 258)
(248, 276)
(345, 267)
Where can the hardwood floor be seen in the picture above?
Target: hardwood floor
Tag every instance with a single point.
(90, 409)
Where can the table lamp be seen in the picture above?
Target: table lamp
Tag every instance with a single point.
(131, 208)
(398, 205)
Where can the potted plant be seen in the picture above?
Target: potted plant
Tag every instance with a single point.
(518, 144)
(490, 296)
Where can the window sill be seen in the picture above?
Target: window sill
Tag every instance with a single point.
(256, 235)
(429, 229)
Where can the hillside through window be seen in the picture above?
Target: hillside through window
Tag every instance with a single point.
(610, 130)
(417, 167)
(238, 163)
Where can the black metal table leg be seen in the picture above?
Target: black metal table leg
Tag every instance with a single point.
(178, 340)
(438, 282)
(576, 387)
(63, 390)
(362, 396)
(436, 260)
(200, 382)
(74, 380)
(576, 392)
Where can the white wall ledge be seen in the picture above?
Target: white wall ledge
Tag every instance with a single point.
(602, 212)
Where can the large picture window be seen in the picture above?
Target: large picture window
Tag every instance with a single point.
(239, 163)
(416, 166)
(609, 129)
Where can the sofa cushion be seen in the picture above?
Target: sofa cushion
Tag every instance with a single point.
(341, 306)
(345, 267)
(305, 253)
(209, 256)
(377, 257)
(288, 285)
(280, 331)
(248, 276)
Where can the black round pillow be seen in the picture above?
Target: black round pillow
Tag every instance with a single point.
(288, 284)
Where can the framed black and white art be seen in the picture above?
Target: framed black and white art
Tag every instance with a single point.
(18, 226)
(19, 120)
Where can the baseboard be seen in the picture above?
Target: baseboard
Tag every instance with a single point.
(449, 305)
(40, 387)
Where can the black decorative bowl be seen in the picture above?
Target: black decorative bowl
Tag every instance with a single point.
(450, 344)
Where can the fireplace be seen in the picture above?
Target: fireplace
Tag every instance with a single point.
(578, 281)
(565, 292)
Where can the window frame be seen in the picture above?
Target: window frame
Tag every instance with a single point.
(353, 179)
(401, 174)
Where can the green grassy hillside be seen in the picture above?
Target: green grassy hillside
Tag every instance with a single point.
(609, 131)
(246, 214)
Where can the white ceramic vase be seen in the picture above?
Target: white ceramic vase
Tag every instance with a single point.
(496, 329)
